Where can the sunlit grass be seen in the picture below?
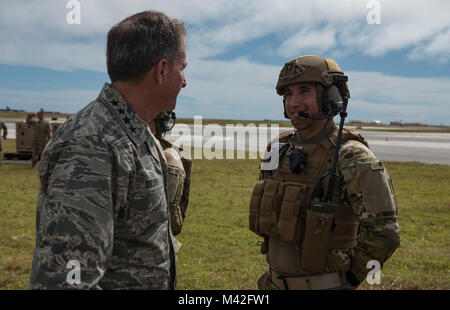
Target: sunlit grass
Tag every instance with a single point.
(219, 251)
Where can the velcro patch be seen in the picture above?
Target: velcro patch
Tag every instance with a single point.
(291, 70)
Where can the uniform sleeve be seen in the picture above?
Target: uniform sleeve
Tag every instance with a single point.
(368, 190)
(74, 215)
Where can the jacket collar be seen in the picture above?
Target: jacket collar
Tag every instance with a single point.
(324, 133)
(136, 128)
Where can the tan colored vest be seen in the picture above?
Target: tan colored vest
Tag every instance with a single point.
(179, 180)
(280, 201)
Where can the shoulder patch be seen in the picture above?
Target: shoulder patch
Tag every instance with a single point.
(353, 152)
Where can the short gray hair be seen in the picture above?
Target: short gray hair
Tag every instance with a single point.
(139, 42)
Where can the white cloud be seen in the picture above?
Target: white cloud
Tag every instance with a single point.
(437, 48)
(308, 39)
(40, 28)
(401, 90)
(236, 89)
(35, 33)
(240, 89)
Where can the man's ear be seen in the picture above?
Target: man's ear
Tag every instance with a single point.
(161, 70)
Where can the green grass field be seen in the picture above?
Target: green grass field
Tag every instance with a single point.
(219, 252)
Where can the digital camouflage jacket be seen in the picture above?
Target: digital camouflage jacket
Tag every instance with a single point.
(102, 203)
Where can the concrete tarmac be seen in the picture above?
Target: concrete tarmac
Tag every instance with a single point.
(431, 148)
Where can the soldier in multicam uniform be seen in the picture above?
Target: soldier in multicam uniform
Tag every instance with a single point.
(318, 236)
(2, 137)
(42, 132)
(102, 202)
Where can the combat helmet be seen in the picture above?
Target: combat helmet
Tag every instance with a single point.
(324, 72)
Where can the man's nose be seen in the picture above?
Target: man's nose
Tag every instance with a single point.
(183, 85)
(296, 101)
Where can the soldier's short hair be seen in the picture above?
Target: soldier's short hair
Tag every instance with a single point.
(139, 42)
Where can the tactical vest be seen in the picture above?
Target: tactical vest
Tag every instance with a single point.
(281, 208)
(179, 180)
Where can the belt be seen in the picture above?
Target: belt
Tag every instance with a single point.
(323, 281)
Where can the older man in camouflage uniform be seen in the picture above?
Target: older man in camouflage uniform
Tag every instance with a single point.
(102, 203)
(315, 239)
(42, 132)
(2, 137)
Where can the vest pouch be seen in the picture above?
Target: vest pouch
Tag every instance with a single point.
(316, 241)
(345, 230)
(290, 222)
(270, 205)
(255, 203)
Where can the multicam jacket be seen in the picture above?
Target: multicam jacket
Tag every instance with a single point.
(364, 188)
(102, 203)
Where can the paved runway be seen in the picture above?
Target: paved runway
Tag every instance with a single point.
(432, 148)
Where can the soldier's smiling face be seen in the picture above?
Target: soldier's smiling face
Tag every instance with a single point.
(301, 97)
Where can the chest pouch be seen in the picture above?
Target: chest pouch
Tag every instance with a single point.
(270, 207)
(276, 209)
(255, 205)
(290, 222)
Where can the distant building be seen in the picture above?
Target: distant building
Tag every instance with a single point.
(396, 123)
(415, 124)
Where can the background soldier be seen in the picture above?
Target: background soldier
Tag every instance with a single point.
(2, 137)
(42, 132)
(323, 215)
(179, 173)
(103, 196)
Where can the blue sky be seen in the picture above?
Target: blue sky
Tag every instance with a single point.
(398, 69)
